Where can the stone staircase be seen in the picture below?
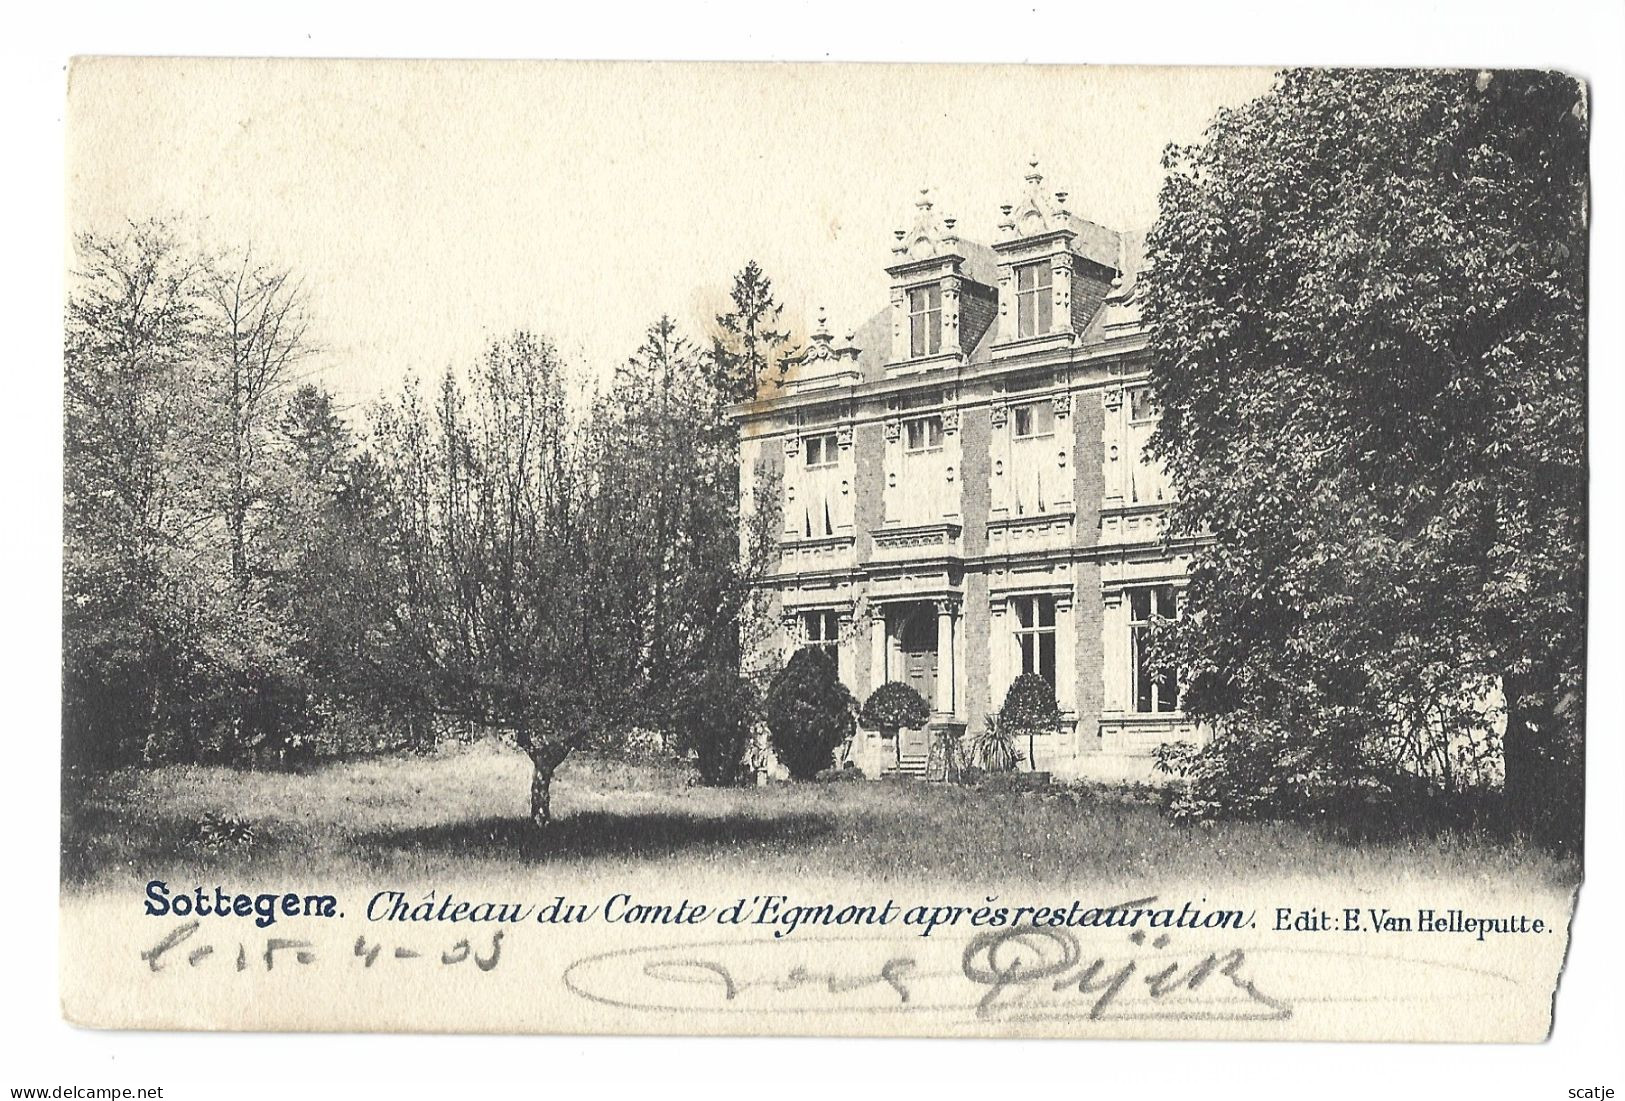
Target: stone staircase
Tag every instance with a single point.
(911, 765)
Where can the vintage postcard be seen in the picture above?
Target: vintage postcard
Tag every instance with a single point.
(823, 549)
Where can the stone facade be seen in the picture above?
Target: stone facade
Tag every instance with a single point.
(965, 494)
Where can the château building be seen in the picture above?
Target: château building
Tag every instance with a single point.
(965, 495)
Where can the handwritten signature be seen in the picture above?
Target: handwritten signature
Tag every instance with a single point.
(1014, 974)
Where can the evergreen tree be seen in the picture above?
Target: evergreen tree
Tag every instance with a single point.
(750, 352)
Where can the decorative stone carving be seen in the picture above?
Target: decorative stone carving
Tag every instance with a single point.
(1063, 404)
(792, 445)
(1036, 212)
(928, 535)
(894, 429)
(932, 235)
(844, 435)
(950, 420)
(999, 414)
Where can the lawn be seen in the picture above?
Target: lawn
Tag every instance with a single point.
(462, 811)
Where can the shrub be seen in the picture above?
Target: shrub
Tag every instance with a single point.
(1257, 767)
(894, 705)
(808, 712)
(1029, 710)
(714, 719)
(994, 746)
(223, 831)
(848, 771)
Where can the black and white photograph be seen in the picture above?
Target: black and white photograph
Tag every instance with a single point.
(970, 551)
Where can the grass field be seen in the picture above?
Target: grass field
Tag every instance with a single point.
(463, 811)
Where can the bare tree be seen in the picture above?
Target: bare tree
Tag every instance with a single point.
(258, 335)
(514, 586)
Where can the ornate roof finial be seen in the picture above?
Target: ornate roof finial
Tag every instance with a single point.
(924, 201)
(1033, 177)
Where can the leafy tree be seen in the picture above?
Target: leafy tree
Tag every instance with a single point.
(1030, 709)
(808, 712)
(130, 632)
(894, 705)
(1367, 317)
(750, 351)
(715, 718)
(670, 459)
(333, 581)
(185, 502)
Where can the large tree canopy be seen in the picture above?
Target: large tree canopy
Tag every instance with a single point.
(1367, 315)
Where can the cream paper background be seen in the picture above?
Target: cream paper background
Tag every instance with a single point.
(601, 194)
(1336, 985)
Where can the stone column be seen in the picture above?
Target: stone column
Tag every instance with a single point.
(1113, 400)
(845, 647)
(793, 478)
(953, 459)
(877, 645)
(893, 494)
(999, 470)
(899, 324)
(1065, 434)
(945, 657)
(1115, 652)
(1066, 653)
(1061, 290)
(998, 653)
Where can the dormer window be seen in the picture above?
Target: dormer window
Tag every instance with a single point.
(925, 320)
(822, 450)
(1035, 299)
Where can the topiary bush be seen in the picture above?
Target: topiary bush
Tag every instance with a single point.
(894, 705)
(1030, 710)
(808, 712)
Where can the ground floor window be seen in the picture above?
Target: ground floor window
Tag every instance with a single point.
(1035, 635)
(821, 629)
(1153, 691)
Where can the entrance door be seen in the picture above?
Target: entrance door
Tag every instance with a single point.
(917, 638)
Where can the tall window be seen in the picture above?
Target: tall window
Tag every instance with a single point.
(1153, 692)
(1033, 479)
(1035, 635)
(1147, 482)
(925, 320)
(821, 629)
(923, 434)
(821, 454)
(1035, 299)
(1037, 419)
(822, 450)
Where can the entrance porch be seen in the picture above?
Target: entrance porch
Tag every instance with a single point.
(917, 642)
